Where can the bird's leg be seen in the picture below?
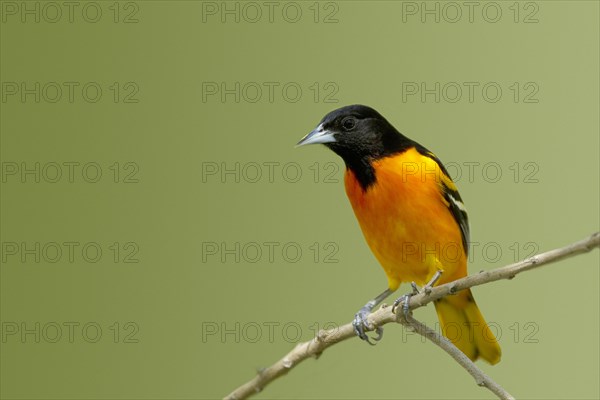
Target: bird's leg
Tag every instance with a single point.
(436, 277)
(405, 299)
(360, 321)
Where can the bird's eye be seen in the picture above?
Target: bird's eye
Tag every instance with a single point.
(348, 123)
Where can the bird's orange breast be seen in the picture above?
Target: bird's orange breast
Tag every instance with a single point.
(406, 221)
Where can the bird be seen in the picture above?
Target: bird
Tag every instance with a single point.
(412, 218)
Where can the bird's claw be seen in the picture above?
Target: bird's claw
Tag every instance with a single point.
(405, 300)
(361, 325)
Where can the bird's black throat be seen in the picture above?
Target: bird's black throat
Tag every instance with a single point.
(361, 154)
(363, 171)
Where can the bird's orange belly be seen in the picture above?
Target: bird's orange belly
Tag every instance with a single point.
(405, 222)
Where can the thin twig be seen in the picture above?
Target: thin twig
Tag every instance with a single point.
(481, 378)
(384, 315)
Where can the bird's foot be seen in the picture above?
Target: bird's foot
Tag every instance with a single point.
(361, 326)
(405, 300)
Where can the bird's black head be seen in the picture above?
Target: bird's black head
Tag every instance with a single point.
(359, 135)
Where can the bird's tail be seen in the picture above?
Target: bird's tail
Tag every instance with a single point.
(463, 324)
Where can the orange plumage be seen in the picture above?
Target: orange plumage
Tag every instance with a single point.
(411, 232)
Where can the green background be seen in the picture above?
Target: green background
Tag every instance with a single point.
(177, 292)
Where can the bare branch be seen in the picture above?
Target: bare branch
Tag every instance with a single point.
(480, 377)
(384, 315)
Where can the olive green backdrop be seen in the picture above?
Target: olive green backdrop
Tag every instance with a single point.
(208, 246)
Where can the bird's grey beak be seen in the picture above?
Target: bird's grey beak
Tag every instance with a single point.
(318, 135)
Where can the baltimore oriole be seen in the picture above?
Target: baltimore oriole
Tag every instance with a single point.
(412, 218)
